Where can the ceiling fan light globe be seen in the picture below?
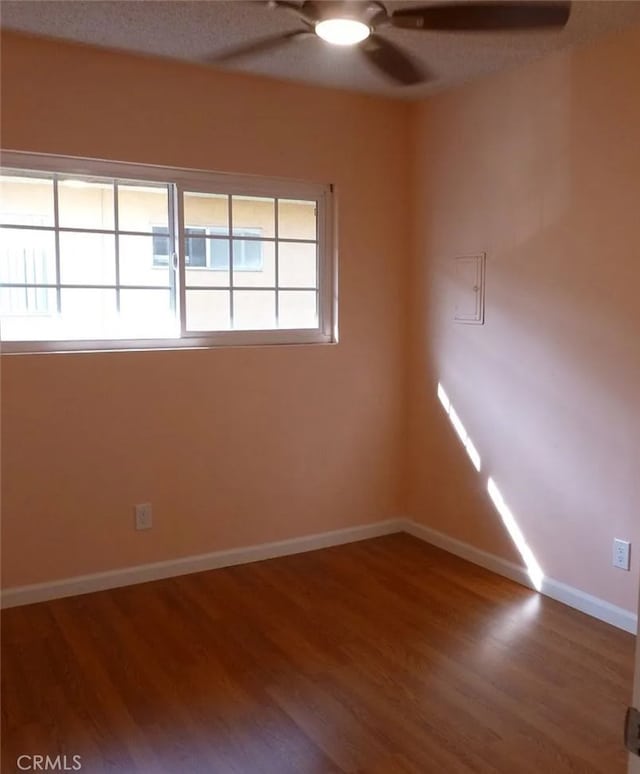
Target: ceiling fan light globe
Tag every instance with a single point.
(342, 32)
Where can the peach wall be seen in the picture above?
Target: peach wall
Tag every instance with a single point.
(232, 446)
(540, 168)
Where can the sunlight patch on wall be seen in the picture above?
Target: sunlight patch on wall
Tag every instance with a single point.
(515, 533)
(459, 427)
(533, 568)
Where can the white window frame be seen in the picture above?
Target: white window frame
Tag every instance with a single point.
(195, 181)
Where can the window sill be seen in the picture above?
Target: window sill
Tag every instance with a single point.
(209, 341)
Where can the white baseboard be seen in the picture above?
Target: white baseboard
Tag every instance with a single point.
(127, 576)
(561, 592)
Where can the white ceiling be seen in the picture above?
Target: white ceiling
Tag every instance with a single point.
(197, 29)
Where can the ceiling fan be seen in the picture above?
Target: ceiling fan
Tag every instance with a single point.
(358, 23)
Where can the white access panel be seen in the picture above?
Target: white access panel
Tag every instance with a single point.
(468, 290)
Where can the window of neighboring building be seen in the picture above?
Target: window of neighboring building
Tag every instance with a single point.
(213, 254)
(247, 252)
(104, 255)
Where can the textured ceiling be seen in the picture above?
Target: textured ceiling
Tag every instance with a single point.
(196, 30)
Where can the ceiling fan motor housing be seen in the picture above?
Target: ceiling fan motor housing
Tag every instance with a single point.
(344, 9)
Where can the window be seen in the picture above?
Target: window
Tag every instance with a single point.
(102, 255)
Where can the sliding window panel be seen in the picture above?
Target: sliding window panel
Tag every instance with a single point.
(254, 263)
(85, 204)
(253, 216)
(142, 260)
(195, 248)
(254, 310)
(208, 310)
(214, 256)
(27, 257)
(207, 210)
(142, 207)
(297, 265)
(87, 259)
(88, 313)
(27, 314)
(26, 199)
(297, 309)
(297, 219)
(147, 314)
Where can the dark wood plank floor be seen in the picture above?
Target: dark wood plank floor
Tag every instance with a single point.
(385, 657)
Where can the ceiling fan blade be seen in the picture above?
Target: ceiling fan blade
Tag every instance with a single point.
(478, 17)
(302, 10)
(391, 61)
(258, 46)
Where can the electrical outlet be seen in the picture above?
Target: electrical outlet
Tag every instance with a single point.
(621, 554)
(144, 516)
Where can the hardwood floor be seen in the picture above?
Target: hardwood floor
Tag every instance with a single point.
(385, 657)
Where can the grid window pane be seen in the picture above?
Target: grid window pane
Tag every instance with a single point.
(297, 265)
(161, 245)
(28, 314)
(208, 310)
(85, 204)
(87, 259)
(141, 207)
(254, 309)
(138, 264)
(219, 252)
(146, 314)
(296, 219)
(24, 302)
(27, 257)
(216, 271)
(248, 253)
(88, 313)
(254, 212)
(210, 211)
(254, 263)
(297, 309)
(26, 200)
(195, 247)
